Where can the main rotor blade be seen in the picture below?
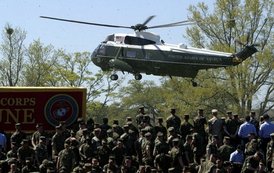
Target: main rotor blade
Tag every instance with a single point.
(86, 23)
(181, 23)
(148, 19)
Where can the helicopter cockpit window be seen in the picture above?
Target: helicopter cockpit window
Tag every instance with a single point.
(110, 38)
(137, 41)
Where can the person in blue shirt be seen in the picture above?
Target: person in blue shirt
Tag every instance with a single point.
(245, 129)
(3, 141)
(264, 132)
(237, 159)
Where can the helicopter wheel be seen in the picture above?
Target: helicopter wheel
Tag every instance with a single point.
(138, 76)
(114, 77)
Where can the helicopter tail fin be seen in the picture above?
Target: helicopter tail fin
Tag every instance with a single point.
(246, 52)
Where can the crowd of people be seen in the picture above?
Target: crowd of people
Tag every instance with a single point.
(206, 144)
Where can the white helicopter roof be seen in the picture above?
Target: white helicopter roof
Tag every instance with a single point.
(146, 35)
(181, 48)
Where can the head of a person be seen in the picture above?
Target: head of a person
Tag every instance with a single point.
(214, 112)
(43, 140)
(111, 160)
(200, 112)
(160, 120)
(97, 132)
(239, 148)
(247, 118)
(148, 136)
(229, 114)
(213, 158)
(186, 117)
(95, 162)
(18, 126)
(235, 116)
(189, 138)
(251, 136)
(141, 109)
(25, 143)
(63, 125)
(252, 114)
(160, 136)
(175, 141)
(58, 129)
(226, 140)
(272, 136)
(258, 155)
(105, 120)
(171, 130)
(266, 117)
(215, 139)
(173, 111)
(127, 161)
(40, 127)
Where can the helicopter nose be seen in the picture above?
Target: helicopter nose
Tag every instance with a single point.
(95, 59)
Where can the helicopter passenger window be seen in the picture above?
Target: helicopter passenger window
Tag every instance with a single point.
(137, 41)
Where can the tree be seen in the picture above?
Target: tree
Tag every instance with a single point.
(249, 22)
(12, 61)
(140, 93)
(40, 61)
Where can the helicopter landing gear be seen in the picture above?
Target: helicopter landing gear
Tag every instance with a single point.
(114, 77)
(138, 76)
(194, 84)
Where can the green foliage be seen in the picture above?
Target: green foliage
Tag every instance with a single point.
(230, 22)
(40, 61)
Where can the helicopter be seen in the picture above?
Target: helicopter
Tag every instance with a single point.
(145, 52)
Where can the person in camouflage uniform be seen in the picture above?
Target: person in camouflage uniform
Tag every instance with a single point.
(57, 142)
(66, 158)
(36, 135)
(41, 151)
(25, 152)
(147, 147)
(103, 153)
(87, 150)
(127, 166)
(270, 153)
(12, 153)
(111, 167)
(212, 147)
(160, 145)
(251, 163)
(18, 135)
(140, 115)
(119, 151)
(251, 147)
(176, 156)
(226, 149)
